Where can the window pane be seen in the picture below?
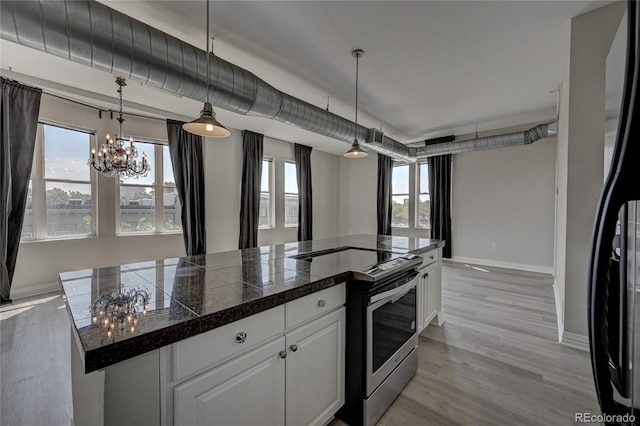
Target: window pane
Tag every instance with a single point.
(424, 206)
(424, 178)
(167, 168)
(172, 210)
(137, 209)
(266, 172)
(149, 149)
(400, 180)
(66, 153)
(265, 210)
(68, 209)
(28, 232)
(290, 179)
(290, 210)
(400, 210)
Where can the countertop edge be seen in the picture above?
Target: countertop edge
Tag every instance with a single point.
(106, 356)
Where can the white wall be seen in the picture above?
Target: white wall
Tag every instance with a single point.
(505, 196)
(583, 141)
(357, 195)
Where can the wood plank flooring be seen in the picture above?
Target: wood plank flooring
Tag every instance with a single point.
(35, 369)
(495, 361)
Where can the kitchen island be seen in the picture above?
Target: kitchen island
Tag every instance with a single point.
(223, 310)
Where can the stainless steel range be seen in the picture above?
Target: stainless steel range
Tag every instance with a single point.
(381, 337)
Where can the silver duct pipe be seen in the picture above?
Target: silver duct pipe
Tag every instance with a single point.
(525, 137)
(90, 33)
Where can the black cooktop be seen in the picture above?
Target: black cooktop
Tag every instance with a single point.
(368, 265)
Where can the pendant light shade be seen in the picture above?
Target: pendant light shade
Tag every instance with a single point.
(355, 151)
(207, 125)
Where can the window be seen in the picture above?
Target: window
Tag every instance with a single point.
(150, 203)
(266, 192)
(400, 196)
(424, 200)
(290, 194)
(171, 207)
(59, 200)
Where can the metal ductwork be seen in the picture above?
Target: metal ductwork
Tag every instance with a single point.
(95, 35)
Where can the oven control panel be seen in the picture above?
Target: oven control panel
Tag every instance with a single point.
(392, 266)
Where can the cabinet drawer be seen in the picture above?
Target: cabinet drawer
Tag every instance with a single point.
(307, 307)
(430, 257)
(208, 349)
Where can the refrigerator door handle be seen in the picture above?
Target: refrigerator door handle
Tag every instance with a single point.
(621, 186)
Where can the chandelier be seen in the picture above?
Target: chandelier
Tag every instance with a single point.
(116, 158)
(120, 309)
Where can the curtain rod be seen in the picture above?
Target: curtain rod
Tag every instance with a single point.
(99, 109)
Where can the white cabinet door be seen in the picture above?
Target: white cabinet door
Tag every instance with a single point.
(428, 295)
(315, 370)
(433, 297)
(246, 391)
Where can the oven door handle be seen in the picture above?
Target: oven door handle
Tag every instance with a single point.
(395, 293)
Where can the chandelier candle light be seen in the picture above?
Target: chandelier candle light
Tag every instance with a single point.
(120, 308)
(116, 158)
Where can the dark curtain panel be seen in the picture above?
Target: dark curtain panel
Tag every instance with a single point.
(250, 198)
(385, 170)
(305, 197)
(440, 193)
(19, 108)
(186, 157)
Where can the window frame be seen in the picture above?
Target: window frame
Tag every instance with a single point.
(270, 192)
(420, 193)
(407, 194)
(158, 186)
(297, 195)
(39, 185)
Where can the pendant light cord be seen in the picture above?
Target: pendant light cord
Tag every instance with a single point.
(357, 73)
(207, 47)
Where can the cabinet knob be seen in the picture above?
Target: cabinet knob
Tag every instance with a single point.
(293, 348)
(431, 257)
(322, 303)
(283, 354)
(241, 337)
(426, 275)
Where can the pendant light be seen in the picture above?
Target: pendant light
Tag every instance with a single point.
(207, 125)
(356, 151)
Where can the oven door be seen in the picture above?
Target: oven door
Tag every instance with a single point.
(391, 331)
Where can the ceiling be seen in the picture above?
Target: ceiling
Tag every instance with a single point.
(429, 68)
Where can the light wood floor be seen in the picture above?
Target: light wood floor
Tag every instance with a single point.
(494, 362)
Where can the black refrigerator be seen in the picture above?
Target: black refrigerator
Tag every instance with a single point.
(614, 279)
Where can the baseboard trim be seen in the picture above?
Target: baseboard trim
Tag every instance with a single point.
(506, 265)
(34, 290)
(575, 341)
(559, 310)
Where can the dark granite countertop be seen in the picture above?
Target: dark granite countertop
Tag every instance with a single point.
(194, 294)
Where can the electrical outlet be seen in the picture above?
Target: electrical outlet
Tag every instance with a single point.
(92, 257)
(494, 246)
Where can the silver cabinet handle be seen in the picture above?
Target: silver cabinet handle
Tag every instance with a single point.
(283, 354)
(322, 303)
(241, 337)
(293, 348)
